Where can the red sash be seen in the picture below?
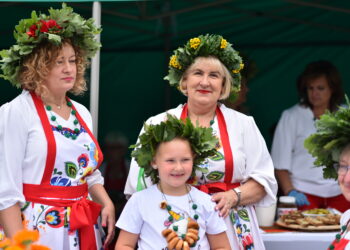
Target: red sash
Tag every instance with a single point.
(229, 163)
(84, 213)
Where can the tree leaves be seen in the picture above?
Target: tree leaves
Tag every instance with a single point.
(333, 134)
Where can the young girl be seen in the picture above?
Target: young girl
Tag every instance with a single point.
(171, 214)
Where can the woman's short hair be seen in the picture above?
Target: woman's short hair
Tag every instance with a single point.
(227, 79)
(315, 70)
(37, 65)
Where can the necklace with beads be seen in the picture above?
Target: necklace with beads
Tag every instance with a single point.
(67, 132)
(339, 242)
(182, 232)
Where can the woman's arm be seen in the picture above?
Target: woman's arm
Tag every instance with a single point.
(126, 241)
(219, 241)
(251, 192)
(284, 180)
(10, 220)
(99, 195)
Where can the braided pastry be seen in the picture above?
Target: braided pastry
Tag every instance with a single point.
(179, 243)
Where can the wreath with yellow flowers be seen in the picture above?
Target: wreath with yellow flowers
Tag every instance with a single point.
(333, 134)
(202, 140)
(204, 46)
(55, 27)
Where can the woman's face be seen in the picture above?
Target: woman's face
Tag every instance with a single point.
(204, 82)
(344, 177)
(319, 92)
(63, 73)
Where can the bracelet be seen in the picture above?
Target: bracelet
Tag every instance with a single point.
(238, 193)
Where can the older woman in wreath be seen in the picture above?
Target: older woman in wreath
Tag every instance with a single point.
(49, 156)
(240, 175)
(330, 146)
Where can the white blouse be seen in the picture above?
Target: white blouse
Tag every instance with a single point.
(23, 147)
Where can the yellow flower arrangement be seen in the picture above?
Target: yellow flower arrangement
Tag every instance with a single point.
(223, 43)
(195, 42)
(236, 71)
(23, 240)
(174, 63)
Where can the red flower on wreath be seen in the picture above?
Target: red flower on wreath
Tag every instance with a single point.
(32, 30)
(46, 26)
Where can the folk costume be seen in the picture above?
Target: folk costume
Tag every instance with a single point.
(49, 173)
(288, 153)
(249, 159)
(49, 163)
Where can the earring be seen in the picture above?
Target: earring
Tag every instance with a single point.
(154, 166)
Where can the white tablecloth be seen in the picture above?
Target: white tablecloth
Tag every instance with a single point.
(298, 240)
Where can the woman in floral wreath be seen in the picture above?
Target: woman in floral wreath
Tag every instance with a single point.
(49, 157)
(330, 146)
(240, 175)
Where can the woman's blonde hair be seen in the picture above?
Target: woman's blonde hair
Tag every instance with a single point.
(37, 65)
(227, 78)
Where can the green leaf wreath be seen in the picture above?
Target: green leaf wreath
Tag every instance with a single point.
(333, 134)
(58, 25)
(202, 141)
(205, 45)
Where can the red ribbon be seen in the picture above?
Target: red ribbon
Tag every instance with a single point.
(216, 187)
(83, 214)
(340, 244)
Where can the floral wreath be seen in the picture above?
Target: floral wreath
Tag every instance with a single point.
(203, 142)
(58, 25)
(205, 45)
(333, 134)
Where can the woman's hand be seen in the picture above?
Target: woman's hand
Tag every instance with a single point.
(224, 201)
(108, 221)
(99, 195)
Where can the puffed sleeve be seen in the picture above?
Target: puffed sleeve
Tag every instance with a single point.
(95, 177)
(283, 141)
(13, 137)
(259, 164)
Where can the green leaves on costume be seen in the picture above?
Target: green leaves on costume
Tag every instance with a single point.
(201, 139)
(60, 24)
(215, 176)
(333, 134)
(71, 169)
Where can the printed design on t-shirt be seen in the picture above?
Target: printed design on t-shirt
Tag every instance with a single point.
(241, 223)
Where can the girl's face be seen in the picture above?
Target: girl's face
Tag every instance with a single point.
(63, 73)
(319, 93)
(344, 175)
(204, 81)
(174, 161)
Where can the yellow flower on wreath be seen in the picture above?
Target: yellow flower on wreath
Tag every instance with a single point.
(23, 240)
(195, 42)
(174, 63)
(223, 44)
(241, 66)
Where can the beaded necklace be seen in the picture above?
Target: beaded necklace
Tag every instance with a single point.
(175, 237)
(339, 242)
(68, 133)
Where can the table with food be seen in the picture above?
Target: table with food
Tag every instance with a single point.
(308, 229)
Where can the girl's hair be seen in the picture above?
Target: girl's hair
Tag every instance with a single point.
(227, 78)
(315, 70)
(37, 65)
